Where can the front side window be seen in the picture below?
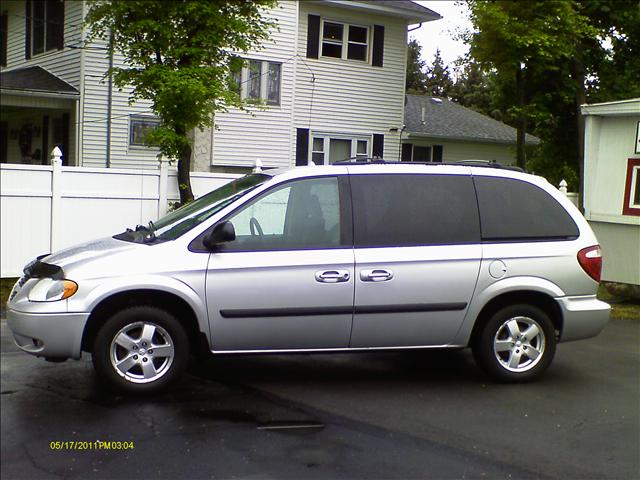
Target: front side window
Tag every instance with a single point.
(302, 214)
(412, 210)
(139, 129)
(258, 80)
(513, 210)
(46, 25)
(340, 40)
(188, 216)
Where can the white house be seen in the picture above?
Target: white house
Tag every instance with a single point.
(612, 185)
(332, 78)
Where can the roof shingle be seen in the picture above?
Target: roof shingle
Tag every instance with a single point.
(35, 79)
(448, 120)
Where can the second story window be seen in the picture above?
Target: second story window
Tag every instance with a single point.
(258, 80)
(44, 26)
(341, 40)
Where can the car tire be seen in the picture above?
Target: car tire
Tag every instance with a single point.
(516, 344)
(141, 349)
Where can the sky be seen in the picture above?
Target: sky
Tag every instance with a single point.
(440, 33)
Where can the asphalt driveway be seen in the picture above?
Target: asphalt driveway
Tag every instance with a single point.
(385, 415)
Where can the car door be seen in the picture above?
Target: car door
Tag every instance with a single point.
(417, 252)
(286, 281)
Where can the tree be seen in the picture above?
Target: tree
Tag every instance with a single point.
(416, 79)
(519, 40)
(476, 89)
(572, 52)
(439, 83)
(178, 55)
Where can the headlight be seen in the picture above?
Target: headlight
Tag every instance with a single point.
(50, 290)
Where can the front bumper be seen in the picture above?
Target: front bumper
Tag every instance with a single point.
(582, 317)
(51, 335)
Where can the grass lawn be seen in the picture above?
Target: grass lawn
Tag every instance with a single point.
(620, 308)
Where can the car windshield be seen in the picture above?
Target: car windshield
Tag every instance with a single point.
(188, 216)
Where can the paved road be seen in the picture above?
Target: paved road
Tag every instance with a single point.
(411, 415)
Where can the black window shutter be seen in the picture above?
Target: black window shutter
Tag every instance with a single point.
(27, 30)
(3, 47)
(378, 145)
(437, 153)
(313, 36)
(378, 46)
(55, 25)
(302, 146)
(407, 149)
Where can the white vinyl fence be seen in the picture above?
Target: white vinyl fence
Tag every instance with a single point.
(47, 208)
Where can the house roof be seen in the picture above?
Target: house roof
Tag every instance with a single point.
(407, 9)
(447, 120)
(620, 107)
(410, 6)
(35, 79)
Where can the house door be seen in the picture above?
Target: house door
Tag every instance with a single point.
(286, 281)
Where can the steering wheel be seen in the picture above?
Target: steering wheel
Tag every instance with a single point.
(254, 226)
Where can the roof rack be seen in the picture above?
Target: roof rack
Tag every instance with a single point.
(468, 163)
(360, 160)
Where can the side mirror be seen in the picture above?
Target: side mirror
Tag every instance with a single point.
(221, 233)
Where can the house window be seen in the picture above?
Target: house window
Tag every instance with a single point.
(432, 153)
(631, 204)
(258, 80)
(139, 129)
(45, 24)
(341, 40)
(328, 149)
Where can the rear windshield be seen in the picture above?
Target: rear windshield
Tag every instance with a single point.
(513, 210)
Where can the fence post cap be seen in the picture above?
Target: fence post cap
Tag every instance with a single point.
(257, 166)
(56, 156)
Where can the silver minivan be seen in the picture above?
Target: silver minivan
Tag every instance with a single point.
(340, 258)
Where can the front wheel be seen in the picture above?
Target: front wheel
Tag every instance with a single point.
(141, 349)
(516, 344)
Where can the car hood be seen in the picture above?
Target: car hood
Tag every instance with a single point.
(91, 251)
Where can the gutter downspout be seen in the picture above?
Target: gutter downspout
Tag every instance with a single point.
(109, 100)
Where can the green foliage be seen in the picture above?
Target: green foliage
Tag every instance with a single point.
(178, 55)
(573, 52)
(416, 80)
(439, 83)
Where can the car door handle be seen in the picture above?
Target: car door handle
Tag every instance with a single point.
(376, 275)
(332, 276)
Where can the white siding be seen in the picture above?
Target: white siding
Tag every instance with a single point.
(456, 151)
(352, 97)
(94, 117)
(242, 137)
(62, 63)
(609, 143)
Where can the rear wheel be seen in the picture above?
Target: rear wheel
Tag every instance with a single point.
(141, 349)
(516, 344)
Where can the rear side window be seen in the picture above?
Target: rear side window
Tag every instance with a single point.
(406, 210)
(511, 209)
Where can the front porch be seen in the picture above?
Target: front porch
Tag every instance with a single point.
(39, 112)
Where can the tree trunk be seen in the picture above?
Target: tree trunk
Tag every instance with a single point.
(184, 178)
(521, 154)
(580, 99)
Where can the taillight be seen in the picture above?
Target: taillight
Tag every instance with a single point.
(590, 260)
